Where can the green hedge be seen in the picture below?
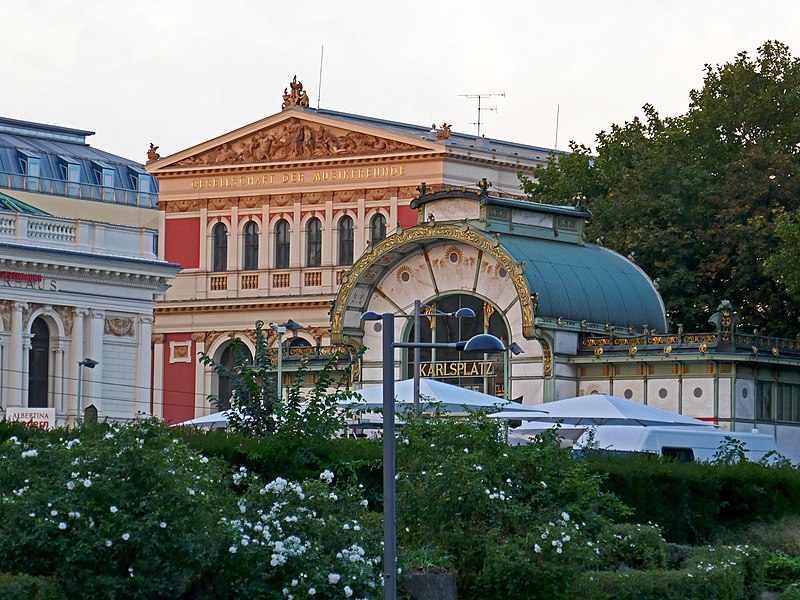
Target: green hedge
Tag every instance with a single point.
(27, 587)
(723, 573)
(692, 503)
(296, 458)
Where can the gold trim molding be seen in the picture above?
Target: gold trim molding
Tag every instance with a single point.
(435, 233)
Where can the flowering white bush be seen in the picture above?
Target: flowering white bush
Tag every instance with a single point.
(303, 539)
(129, 512)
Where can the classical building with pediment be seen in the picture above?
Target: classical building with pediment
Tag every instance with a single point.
(268, 219)
(78, 277)
(317, 216)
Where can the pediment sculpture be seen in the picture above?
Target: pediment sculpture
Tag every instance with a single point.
(296, 140)
(297, 97)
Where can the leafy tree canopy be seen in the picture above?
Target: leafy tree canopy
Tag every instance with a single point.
(701, 201)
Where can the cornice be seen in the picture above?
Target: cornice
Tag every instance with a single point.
(422, 156)
(162, 309)
(86, 274)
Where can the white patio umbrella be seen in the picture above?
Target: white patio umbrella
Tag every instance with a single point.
(602, 409)
(218, 420)
(433, 395)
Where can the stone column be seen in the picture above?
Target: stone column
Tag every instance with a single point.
(93, 378)
(264, 237)
(234, 241)
(360, 236)
(74, 356)
(15, 356)
(158, 374)
(144, 383)
(59, 403)
(297, 250)
(200, 393)
(330, 238)
(204, 241)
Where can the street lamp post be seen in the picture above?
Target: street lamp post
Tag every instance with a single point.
(86, 362)
(461, 313)
(280, 329)
(480, 343)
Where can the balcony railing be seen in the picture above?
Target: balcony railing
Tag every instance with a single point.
(85, 191)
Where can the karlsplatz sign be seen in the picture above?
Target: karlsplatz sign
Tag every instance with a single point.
(476, 368)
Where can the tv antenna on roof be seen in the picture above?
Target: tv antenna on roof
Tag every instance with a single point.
(481, 97)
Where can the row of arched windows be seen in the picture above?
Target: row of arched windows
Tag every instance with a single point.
(313, 258)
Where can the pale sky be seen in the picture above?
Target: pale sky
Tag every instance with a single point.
(177, 73)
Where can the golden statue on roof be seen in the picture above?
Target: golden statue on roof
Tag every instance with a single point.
(297, 97)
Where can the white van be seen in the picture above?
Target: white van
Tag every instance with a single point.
(684, 444)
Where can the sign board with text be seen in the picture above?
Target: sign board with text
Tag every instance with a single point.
(34, 417)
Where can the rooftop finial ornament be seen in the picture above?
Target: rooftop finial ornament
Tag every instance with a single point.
(297, 97)
(152, 153)
(444, 132)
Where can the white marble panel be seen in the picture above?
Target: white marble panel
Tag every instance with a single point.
(744, 400)
(406, 282)
(663, 393)
(454, 265)
(590, 386)
(698, 397)
(725, 398)
(629, 389)
(531, 391)
(492, 284)
(453, 210)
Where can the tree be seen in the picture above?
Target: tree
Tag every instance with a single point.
(256, 408)
(693, 198)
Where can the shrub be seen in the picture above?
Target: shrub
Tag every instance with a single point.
(256, 407)
(703, 499)
(463, 490)
(130, 512)
(632, 546)
(304, 539)
(724, 573)
(25, 587)
(781, 571)
(118, 511)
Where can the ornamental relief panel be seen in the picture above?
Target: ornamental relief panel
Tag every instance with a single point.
(119, 326)
(66, 313)
(344, 196)
(182, 206)
(252, 201)
(221, 203)
(379, 194)
(6, 306)
(297, 140)
(317, 197)
(284, 199)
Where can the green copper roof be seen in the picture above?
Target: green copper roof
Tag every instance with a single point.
(18, 206)
(587, 282)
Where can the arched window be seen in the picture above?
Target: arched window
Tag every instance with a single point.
(220, 235)
(346, 241)
(251, 246)
(377, 228)
(282, 244)
(229, 360)
(313, 243)
(38, 364)
(484, 374)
